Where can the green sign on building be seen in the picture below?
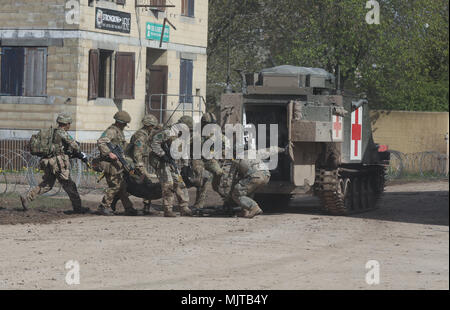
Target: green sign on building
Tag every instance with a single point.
(153, 32)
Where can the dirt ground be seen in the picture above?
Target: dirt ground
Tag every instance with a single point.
(293, 247)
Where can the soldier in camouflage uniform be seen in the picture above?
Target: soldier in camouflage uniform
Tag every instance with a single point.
(247, 176)
(139, 149)
(56, 166)
(212, 165)
(170, 180)
(205, 170)
(111, 166)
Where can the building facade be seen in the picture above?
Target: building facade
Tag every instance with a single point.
(103, 55)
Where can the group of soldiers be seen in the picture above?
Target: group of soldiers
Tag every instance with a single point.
(149, 146)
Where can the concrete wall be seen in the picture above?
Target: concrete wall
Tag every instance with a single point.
(411, 132)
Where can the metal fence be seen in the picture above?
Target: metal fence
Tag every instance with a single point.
(422, 164)
(193, 105)
(19, 170)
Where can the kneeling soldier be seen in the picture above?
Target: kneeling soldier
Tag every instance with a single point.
(56, 165)
(248, 177)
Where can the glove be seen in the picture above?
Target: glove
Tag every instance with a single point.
(84, 157)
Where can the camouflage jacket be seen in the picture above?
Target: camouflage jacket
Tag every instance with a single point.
(163, 136)
(114, 135)
(64, 143)
(139, 148)
(247, 167)
(212, 164)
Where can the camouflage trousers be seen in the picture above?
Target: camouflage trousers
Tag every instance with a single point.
(56, 168)
(201, 180)
(172, 184)
(243, 190)
(117, 188)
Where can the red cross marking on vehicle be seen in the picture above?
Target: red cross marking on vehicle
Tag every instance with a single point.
(356, 131)
(337, 126)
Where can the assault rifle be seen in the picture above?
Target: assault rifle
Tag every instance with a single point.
(168, 159)
(118, 151)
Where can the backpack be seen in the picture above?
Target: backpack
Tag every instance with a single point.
(41, 144)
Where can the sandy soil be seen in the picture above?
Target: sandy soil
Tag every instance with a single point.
(294, 247)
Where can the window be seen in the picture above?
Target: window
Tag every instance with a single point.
(23, 71)
(187, 8)
(101, 76)
(105, 74)
(186, 73)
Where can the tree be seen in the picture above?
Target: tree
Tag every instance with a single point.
(402, 63)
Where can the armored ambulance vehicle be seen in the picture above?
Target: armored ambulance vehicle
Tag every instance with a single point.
(330, 148)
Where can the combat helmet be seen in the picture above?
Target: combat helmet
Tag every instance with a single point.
(209, 118)
(150, 120)
(122, 117)
(187, 120)
(64, 119)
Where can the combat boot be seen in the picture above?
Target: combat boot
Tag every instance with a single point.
(168, 212)
(185, 211)
(198, 205)
(252, 212)
(24, 201)
(104, 211)
(148, 211)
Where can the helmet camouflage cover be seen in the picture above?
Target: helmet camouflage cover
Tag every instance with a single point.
(64, 119)
(187, 120)
(150, 120)
(209, 118)
(122, 117)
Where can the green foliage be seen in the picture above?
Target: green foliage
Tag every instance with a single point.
(402, 63)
